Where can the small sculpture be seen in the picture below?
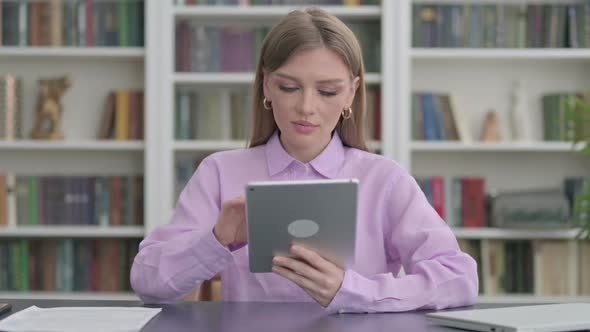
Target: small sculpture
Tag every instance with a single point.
(49, 109)
(520, 123)
(491, 128)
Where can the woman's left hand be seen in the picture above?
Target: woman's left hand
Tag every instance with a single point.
(318, 277)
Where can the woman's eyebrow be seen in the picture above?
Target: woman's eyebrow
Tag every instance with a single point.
(334, 80)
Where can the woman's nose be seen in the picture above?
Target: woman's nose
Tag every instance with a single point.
(307, 103)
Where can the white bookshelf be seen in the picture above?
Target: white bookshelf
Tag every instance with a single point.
(95, 71)
(212, 13)
(481, 79)
(499, 54)
(72, 231)
(218, 16)
(73, 52)
(237, 78)
(217, 145)
(515, 234)
(81, 296)
(72, 145)
(450, 146)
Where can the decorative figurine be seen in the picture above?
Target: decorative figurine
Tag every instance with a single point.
(49, 109)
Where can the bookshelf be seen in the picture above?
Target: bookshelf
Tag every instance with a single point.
(247, 16)
(72, 232)
(74, 52)
(238, 78)
(113, 60)
(482, 79)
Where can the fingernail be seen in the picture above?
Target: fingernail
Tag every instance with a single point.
(275, 260)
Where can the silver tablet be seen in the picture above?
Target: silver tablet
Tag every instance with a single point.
(319, 214)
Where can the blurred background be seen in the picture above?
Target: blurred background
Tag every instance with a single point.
(108, 106)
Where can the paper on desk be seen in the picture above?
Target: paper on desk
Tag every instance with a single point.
(79, 319)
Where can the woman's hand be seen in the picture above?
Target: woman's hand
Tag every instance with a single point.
(318, 277)
(231, 224)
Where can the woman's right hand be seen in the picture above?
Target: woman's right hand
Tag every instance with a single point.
(231, 223)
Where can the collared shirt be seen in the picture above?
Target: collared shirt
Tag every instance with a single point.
(396, 227)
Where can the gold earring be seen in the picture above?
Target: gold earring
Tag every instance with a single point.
(347, 113)
(264, 104)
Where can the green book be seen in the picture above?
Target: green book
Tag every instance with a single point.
(123, 41)
(33, 200)
(24, 265)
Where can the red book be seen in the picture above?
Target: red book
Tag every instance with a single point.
(377, 114)
(437, 186)
(473, 202)
(94, 273)
(89, 16)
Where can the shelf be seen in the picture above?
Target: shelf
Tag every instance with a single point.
(238, 78)
(66, 145)
(219, 145)
(75, 231)
(450, 146)
(499, 53)
(529, 298)
(208, 145)
(514, 234)
(216, 13)
(73, 52)
(81, 296)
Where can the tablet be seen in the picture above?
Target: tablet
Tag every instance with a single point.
(318, 214)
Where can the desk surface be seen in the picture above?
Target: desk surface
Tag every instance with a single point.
(259, 316)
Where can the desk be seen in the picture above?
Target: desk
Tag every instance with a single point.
(259, 316)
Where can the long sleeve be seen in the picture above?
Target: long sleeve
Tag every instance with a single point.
(177, 256)
(437, 274)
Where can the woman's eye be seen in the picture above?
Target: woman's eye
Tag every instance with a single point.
(287, 88)
(328, 93)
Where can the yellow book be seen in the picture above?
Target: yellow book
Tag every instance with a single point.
(352, 2)
(122, 115)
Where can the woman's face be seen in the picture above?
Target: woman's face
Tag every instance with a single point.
(308, 94)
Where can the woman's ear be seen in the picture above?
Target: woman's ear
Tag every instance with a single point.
(265, 88)
(353, 89)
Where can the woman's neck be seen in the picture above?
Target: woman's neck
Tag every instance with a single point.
(305, 155)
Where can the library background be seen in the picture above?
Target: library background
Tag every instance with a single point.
(107, 107)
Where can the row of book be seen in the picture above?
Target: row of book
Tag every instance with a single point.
(66, 265)
(218, 114)
(71, 200)
(502, 25)
(72, 23)
(123, 116)
(463, 202)
(436, 117)
(460, 201)
(236, 49)
(224, 114)
(537, 267)
(11, 103)
(278, 2)
(559, 121)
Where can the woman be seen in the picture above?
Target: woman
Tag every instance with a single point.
(309, 118)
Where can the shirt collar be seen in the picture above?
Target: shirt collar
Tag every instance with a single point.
(327, 163)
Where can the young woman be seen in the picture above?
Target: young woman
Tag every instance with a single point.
(308, 118)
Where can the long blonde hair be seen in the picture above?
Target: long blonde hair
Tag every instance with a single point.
(301, 30)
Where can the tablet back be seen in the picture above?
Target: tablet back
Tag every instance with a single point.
(320, 214)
